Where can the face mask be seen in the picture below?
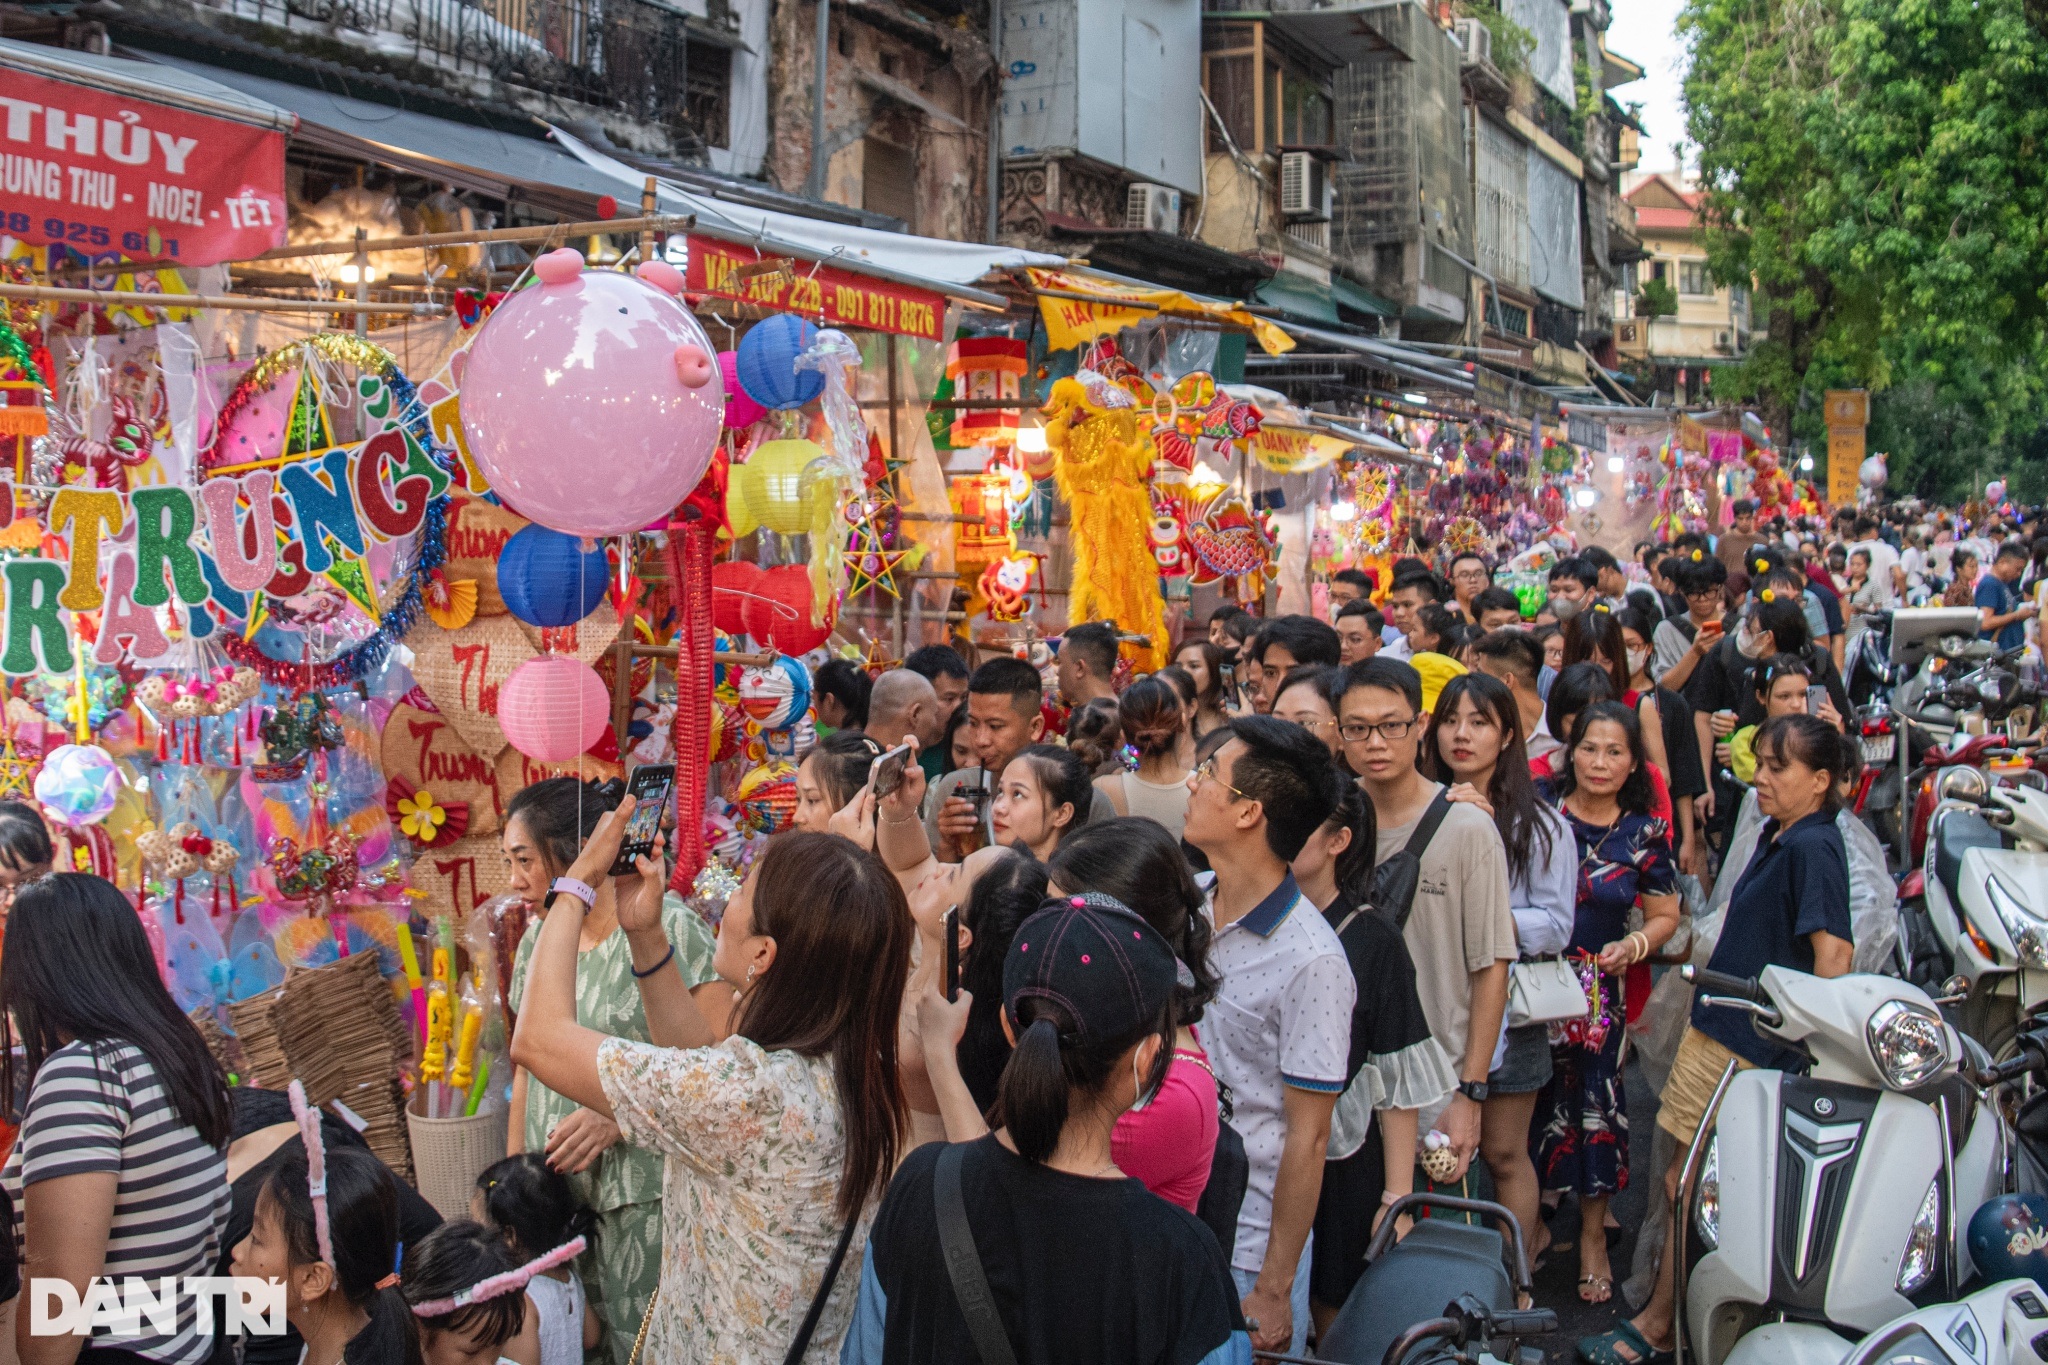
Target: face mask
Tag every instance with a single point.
(1565, 608)
(1750, 642)
(1638, 660)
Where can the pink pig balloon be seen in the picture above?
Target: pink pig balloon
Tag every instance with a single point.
(578, 404)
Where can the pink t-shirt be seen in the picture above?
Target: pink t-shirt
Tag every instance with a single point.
(1170, 1143)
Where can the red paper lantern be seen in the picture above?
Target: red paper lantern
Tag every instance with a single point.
(734, 584)
(780, 615)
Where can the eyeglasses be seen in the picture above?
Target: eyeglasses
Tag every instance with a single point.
(1471, 575)
(1392, 731)
(1206, 771)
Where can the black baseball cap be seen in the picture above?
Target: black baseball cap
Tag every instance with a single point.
(1110, 971)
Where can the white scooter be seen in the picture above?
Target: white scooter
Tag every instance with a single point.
(2006, 1324)
(1986, 884)
(1827, 1201)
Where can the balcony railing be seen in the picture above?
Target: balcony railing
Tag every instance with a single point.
(623, 54)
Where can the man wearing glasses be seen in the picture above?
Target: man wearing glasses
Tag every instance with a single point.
(1681, 642)
(1459, 929)
(1469, 578)
(1279, 1031)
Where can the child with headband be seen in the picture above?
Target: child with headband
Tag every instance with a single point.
(532, 1207)
(454, 1258)
(327, 1226)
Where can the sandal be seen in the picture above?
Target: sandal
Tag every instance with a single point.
(1601, 1350)
(1602, 1286)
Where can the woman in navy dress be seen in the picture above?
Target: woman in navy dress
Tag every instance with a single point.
(1581, 1142)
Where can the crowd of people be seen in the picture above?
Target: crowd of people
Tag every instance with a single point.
(1112, 1030)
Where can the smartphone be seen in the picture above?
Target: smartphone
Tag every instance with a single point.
(651, 786)
(1710, 628)
(1815, 697)
(952, 933)
(977, 796)
(885, 774)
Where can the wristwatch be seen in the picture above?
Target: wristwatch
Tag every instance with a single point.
(1475, 1091)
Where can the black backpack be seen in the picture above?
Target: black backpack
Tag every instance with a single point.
(1391, 890)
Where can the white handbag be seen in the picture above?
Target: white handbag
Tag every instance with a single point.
(1545, 991)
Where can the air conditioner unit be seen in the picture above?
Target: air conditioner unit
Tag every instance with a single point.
(1725, 340)
(1305, 190)
(1475, 42)
(1152, 208)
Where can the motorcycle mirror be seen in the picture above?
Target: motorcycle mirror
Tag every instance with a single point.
(1954, 990)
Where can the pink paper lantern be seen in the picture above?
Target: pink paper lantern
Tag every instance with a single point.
(589, 399)
(741, 411)
(553, 708)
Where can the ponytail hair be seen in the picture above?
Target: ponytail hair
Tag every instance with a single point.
(1813, 742)
(1138, 863)
(362, 1208)
(560, 812)
(1051, 1062)
(1355, 863)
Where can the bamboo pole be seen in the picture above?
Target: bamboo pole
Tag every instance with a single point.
(109, 298)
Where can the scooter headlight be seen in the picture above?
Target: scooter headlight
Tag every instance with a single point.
(1706, 1200)
(1909, 1043)
(2028, 932)
(1916, 1266)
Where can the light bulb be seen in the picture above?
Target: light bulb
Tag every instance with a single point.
(1614, 464)
(1806, 462)
(1031, 440)
(349, 274)
(1418, 399)
(1585, 497)
(1343, 511)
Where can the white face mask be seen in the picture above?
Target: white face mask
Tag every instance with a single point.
(1749, 640)
(1565, 608)
(1638, 660)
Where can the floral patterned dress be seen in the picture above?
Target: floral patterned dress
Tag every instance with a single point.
(1580, 1138)
(624, 1187)
(755, 1141)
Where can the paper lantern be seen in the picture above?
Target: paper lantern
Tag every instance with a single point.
(776, 491)
(767, 797)
(728, 729)
(553, 708)
(777, 695)
(741, 411)
(587, 399)
(733, 584)
(739, 513)
(547, 579)
(766, 363)
(778, 616)
(79, 784)
(988, 368)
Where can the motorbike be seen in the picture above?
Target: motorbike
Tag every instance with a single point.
(1831, 1203)
(1471, 1332)
(1984, 890)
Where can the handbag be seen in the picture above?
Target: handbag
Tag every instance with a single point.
(1544, 991)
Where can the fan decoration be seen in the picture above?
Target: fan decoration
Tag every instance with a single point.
(182, 851)
(315, 874)
(424, 819)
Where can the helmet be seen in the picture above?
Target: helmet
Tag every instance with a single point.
(2009, 1238)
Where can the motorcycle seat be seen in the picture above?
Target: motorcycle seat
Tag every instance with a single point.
(1427, 1269)
(1956, 831)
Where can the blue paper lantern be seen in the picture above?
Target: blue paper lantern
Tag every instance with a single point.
(766, 364)
(548, 580)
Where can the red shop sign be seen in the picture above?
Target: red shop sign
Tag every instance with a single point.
(103, 173)
(827, 295)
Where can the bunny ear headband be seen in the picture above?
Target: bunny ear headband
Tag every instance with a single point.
(509, 1282)
(308, 1119)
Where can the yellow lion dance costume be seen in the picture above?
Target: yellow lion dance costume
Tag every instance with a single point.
(1103, 456)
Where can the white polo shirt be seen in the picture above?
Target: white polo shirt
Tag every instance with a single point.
(1282, 1017)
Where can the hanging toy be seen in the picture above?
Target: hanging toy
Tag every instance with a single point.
(182, 851)
(308, 725)
(1006, 583)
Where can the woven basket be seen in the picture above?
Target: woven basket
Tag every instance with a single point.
(449, 1154)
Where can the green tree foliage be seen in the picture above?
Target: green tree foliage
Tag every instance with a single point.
(1875, 167)
(1656, 299)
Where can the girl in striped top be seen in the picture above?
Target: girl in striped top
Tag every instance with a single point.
(119, 1170)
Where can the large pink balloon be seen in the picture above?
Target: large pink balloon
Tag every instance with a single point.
(579, 404)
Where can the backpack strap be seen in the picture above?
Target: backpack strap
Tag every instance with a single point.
(963, 1262)
(1426, 827)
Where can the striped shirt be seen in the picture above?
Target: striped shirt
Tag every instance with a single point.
(94, 1109)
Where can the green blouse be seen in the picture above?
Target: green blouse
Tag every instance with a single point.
(608, 1000)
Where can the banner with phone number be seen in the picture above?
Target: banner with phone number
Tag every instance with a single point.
(102, 172)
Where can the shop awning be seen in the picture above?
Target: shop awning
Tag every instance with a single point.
(1078, 306)
(1341, 33)
(178, 87)
(1299, 298)
(1360, 299)
(1393, 357)
(502, 164)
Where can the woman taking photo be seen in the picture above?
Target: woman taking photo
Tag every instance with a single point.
(777, 1140)
(1204, 663)
(1789, 908)
(1624, 857)
(1397, 1068)
(1154, 723)
(545, 826)
(1474, 746)
(118, 1171)
(831, 778)
(1088, 990)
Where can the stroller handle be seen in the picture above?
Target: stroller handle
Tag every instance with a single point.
(1384, 1238)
